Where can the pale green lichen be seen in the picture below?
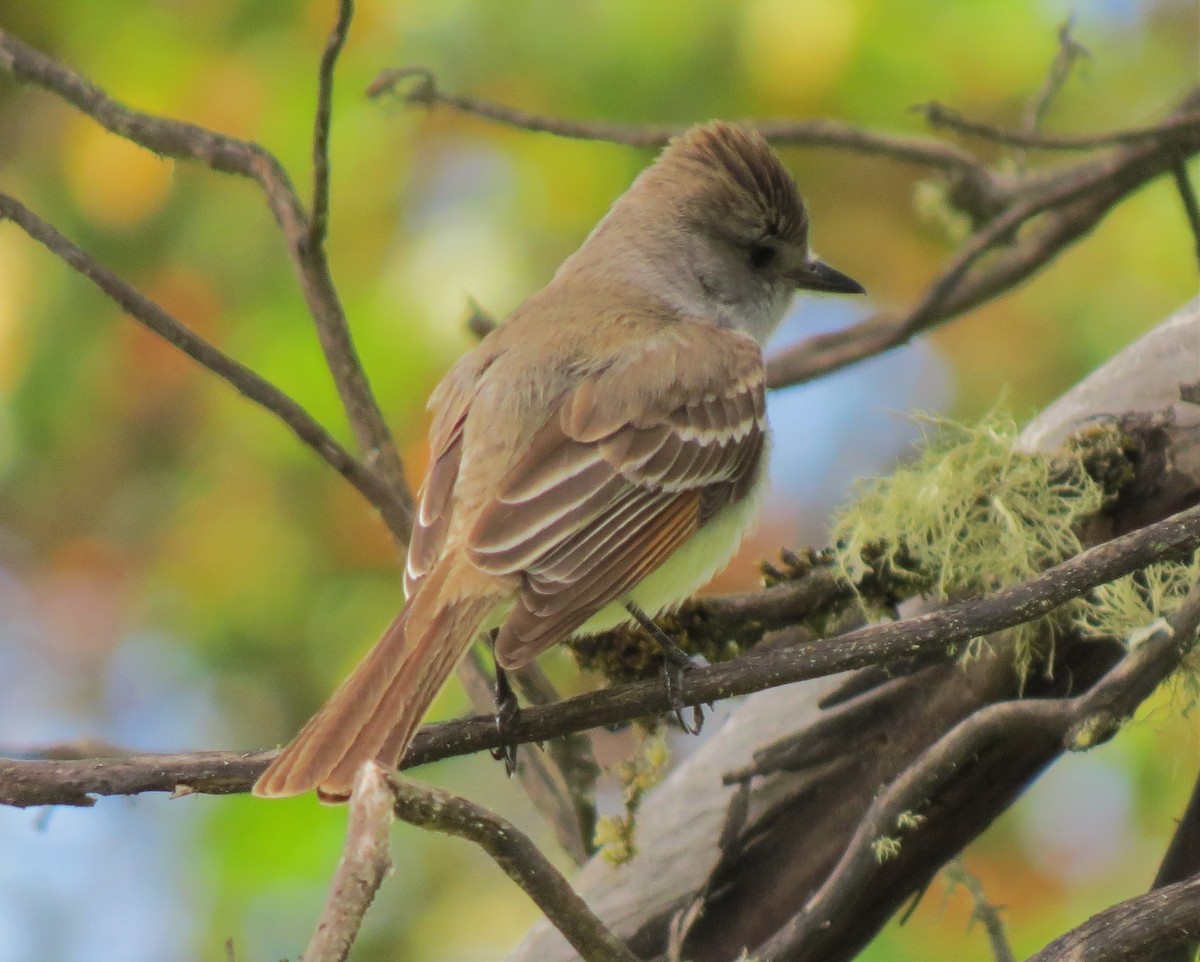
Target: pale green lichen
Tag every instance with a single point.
(1137, 606)
(969, 515)
(885, 847)
(931, 202)
(1133, 607)
(615, 833)
(1092, 731)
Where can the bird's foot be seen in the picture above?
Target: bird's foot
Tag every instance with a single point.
(507, 709)
(675, 663)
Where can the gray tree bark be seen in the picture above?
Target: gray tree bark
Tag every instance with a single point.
(721, 868)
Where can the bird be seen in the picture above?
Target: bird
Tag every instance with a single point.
(600, 454)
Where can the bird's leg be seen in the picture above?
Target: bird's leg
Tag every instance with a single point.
(507, 708)
(675, 663)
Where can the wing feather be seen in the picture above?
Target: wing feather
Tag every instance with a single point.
(531, 629)
(435, 506)
(611, 486)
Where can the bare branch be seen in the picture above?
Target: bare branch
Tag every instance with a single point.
(982, 910)
(1182, 858)
(321, 123)
(1182, 127)
(520, 859)
(230, 155)
(1145, 927)
(1070, 51)
(366, 861)
(243, 379)
(999, 205)
(1077, 199)
(1081, 722)
(1188, 196)
(25, 782)
(417, 86)
(333, 331)
(163, 136)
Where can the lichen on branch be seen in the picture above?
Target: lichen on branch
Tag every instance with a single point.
(973, 513)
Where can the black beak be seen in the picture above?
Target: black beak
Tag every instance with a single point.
(818, 276)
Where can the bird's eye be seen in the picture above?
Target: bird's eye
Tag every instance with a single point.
(761, 256)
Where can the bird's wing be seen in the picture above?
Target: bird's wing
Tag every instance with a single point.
(633, 461)
(451, 402)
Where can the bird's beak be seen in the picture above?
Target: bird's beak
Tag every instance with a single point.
(815, 275)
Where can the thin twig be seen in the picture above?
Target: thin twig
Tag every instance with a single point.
(1070, 51)
(149, 314)
(163, 136)
(417, 86)
(1079, 723)
(1181, 861)
(173, 138)
(940, 116)
(324, 304)
(982, 910)
(1186, 194)
(366, 861)
(1070, 204)
(321, 124)
(1182, 857)
(520, 859)
(25, 782)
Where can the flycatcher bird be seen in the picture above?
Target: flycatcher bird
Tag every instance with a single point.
(599, 454)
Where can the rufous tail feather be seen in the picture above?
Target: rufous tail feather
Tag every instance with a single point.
(376, 710)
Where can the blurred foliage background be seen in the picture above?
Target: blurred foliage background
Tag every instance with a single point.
(177, 572)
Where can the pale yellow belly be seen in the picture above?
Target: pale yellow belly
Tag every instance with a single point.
(691, 567)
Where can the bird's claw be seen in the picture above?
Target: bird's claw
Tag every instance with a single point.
(507, 709)
(675, 663)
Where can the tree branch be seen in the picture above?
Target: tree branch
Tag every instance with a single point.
(1080, 723)
(25, 782)
(366, 861)
(1077, 198)
(417, 86)
(249, 384)
(982, 910)
(999, 205)
(1070, 51)
(322, 121)
(939, 116)
(520, 859)
(1141, 928)
(333, 330)
(173, 138)
(1188, 197)
(163, 136)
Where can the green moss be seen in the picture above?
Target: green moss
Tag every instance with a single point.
(968, 516)
(1092, 731)
(627, 653)
(615, 833)
(885, 847)
(931, 202)
(1134, 606)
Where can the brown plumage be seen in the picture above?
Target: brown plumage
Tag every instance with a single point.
(741, 166)
(604, 445)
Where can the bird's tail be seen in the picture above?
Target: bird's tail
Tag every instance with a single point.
(376, 710)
